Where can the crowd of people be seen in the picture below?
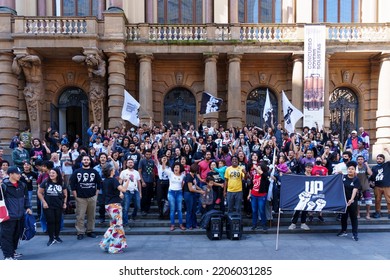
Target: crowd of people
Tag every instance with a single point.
(207, 167)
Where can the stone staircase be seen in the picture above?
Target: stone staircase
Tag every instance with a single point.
(152, 225)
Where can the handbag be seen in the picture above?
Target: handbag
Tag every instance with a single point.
(4, 216)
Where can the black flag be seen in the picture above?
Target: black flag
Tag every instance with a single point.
(210, 104)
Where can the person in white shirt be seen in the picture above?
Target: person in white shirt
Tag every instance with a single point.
(133, 193)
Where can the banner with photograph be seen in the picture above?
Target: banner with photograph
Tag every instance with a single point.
(314, 75)
(313, 193)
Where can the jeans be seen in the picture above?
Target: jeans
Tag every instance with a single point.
(234, 201)
(258, 209)
(127, 200)
(190, 200)
(296, 216)
(147, 194)
(53, 218)
(175, 199)
(11, 231)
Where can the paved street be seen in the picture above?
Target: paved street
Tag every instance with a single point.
(297, 246)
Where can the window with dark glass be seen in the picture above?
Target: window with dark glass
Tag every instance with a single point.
(339, 11)
(79, 7)
(180, 106)
(260, 11)
(179, 11)
(255, 107)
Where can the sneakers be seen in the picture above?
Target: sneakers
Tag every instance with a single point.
(10, 259)
(58, 240)
(376, 215)
(91, 234)
(80, 236)
(51, 242)
(342, 234)
(17, 255)
(292, 227)
(355, 238)
(305, 227)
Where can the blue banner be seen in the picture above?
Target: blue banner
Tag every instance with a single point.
(313, 193)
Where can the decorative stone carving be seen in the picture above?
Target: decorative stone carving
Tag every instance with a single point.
(179, 78)
(31, 67)
(97, 88)
(346, 76)
(263, 78)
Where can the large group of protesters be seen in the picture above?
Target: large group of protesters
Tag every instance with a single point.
(201, 167)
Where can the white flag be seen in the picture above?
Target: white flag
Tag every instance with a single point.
(291, 114)
(130, 109)
(267, 109)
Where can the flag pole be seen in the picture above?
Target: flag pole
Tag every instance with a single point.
(277, 232)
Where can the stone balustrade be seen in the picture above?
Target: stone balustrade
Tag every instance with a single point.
(366, 32)
(55, 25)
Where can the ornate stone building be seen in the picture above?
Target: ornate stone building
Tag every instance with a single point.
(66, 63)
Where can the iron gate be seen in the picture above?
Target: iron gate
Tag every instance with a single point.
(343, 105)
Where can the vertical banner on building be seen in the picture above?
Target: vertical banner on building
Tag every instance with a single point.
(314, 72)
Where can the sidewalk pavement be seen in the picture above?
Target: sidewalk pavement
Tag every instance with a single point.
(296, 246)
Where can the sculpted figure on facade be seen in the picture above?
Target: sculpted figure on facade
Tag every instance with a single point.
(97, 88)
(97, 85)
(34, 90)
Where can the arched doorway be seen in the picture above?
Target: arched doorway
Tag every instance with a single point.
(255, 107)
(180, 105)
(72, 114)
(343, 105)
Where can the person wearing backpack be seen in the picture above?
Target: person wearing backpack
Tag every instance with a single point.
(53, 196)
(17, 202)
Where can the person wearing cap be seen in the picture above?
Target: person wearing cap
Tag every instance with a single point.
(17, 202)
(352, 142)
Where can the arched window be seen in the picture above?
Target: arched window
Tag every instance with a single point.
(179, 11)
(335, 11)
(343, 105)
(78, 7)
(180, 105)
(255, 107)
(260, 11)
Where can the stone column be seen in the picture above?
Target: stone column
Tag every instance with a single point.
(208, 11)
(297, 86)
(233, 11)
(41, 8)
(145, 88)
(326, 124)
(115, 4)
(383, 113)
(234, 113)
(149, 11)
(116, 87)
(210, 81)
(8, 6)
(101, 8)
(9, 115)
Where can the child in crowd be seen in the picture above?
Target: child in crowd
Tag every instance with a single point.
(207, 197)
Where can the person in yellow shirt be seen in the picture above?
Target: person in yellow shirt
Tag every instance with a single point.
(234, 175)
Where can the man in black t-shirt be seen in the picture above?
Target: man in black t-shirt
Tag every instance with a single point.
(381, 177)
(85, 184)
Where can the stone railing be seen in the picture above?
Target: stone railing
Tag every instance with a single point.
(254, 32)
(365, 32)
(358, 32)
(55, 25)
